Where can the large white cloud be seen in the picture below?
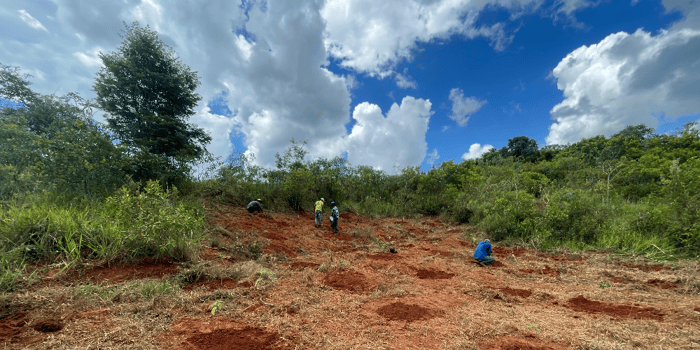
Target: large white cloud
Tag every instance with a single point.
(268, 59)
(372, 36)
(627, 79)
(476, 150)
(391, 142)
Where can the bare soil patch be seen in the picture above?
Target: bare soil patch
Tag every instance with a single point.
(348, 280)
(399, 311)
(523, 293)
(117, 273)
(661, 284)
(520, 343)
(433, 274)
(580, 303)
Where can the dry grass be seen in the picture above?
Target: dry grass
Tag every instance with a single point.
(294, 302)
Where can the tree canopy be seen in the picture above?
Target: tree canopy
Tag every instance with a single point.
(149, 95)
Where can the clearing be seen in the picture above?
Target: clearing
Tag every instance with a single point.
(310, 289)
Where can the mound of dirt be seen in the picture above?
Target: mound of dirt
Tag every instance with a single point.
(523, 293)
(661, 284)
(434, 274)
(118, 273)
(520, 343)
(11, 326)
(280, 247)
(580, 303)
(493, 264)
(348, 280)
(399, 311)
(248, 338)
(48, 326)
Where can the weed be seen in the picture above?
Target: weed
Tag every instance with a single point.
(216, 306)
(604, 285)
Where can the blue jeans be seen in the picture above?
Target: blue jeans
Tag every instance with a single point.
(486, 260)
(318, 218)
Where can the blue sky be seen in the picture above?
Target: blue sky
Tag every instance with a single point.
(393, 83)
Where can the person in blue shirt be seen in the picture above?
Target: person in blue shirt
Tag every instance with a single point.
(482, 253)
(255, 206)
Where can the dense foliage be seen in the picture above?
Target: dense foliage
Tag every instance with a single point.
(149, 94)
(635, 191)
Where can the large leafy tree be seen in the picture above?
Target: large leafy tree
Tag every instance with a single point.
(149, 95)
(50, 142)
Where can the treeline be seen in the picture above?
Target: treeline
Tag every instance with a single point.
(636, 191)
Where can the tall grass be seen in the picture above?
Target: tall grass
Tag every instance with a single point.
(131, 223)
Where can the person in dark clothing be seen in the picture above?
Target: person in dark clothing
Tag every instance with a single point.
(482, 253)
(334, 217)
(255, 206)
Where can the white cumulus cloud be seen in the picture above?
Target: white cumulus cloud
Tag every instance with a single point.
(626, 79)
(391, 142)
(463, 107)
(476, 150)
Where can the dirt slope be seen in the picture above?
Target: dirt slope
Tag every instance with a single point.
(311, 289)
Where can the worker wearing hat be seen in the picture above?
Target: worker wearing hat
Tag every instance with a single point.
(334, 217)
(318, 213)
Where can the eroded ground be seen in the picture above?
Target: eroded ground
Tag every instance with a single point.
(310, 289)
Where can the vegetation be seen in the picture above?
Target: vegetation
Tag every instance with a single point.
(149, 95)
(68, 194)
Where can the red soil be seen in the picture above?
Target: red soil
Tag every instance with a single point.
(661, 284)
(388, 256)
(523, 293)
(48, 326)
(519, 343)
(580, 303)
(117, 273)
(10, 326)
(517, 251)
(224, 334)
(647, 267)
(434, 274)
(349, 280)
(399, 311)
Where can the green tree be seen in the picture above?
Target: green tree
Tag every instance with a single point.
(52, 142)
(523, 148)
(149, 95)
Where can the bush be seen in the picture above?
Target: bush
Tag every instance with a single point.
(576, 215)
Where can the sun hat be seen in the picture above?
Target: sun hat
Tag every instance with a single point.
(322, 200)
(487, 240)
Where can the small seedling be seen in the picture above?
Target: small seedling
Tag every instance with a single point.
(216, 306)
(533, 326)
(604, 285)
(341, 263)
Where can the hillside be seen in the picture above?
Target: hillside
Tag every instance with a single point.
(275, 282)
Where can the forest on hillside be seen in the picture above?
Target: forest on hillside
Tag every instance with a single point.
(74, 189)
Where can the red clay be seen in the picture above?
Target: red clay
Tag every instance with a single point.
(348, 280)
(661, 284)
(523, 293)
(11, 326)
(48, 326)
(545, 271)
(118, 273)
(248, 338)
(580, 303)
(520, 343)
(399, 311)
(434, 274)
(388, 256)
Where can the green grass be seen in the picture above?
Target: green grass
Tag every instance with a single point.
(125, 226)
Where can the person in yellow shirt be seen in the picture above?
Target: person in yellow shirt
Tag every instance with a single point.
(318, 213)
